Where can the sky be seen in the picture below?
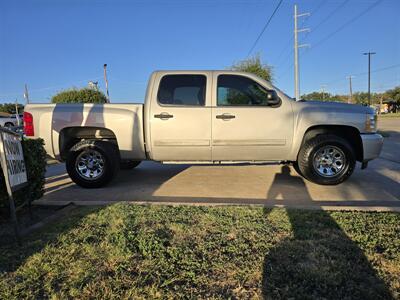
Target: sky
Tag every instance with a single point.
(53, 45)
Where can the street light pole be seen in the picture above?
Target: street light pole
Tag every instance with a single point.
(106, 81)
(350, 100)
(26, 94)
(369, 75)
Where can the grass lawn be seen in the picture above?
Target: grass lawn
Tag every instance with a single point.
(129, 251)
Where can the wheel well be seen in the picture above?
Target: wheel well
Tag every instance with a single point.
(69, 136)
(349, 133)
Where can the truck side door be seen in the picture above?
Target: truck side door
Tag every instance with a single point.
(180, 117)
(244, 126)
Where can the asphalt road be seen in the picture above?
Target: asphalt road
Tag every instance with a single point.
(376, 188)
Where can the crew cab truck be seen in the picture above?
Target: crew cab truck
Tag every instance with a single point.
(207, 117)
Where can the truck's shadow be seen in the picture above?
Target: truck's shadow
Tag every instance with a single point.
(319, 260)
(153, 182)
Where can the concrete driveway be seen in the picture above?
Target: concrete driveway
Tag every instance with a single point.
(376, 188)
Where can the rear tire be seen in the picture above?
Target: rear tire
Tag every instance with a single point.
(92, 163)
(326, 160)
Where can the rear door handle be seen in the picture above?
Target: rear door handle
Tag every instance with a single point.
(225, 116)
(163, 116)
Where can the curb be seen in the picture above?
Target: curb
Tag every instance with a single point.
(371, 208)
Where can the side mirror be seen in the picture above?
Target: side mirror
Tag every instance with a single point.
(273, 98)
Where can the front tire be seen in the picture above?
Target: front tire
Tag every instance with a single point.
(92, 163)
(326, 160)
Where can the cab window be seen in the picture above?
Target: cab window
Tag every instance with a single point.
(182, 90)
(235, 90)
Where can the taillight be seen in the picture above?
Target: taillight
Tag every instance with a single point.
(28, 124)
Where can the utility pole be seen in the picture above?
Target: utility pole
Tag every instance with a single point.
(17, 113)
(323, 87)
(105, 79)
(26, 94)
(380, 100)
(296, 51)
(351, 90)
(369, 75)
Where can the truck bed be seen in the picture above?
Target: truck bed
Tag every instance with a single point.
(124, 121)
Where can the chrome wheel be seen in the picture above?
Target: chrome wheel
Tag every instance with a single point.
(90, 164)
(329, 161)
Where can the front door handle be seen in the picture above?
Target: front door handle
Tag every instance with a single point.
(225, 116)
(163, 116)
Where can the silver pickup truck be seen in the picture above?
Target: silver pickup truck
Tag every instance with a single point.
(207, 117)
(10, 121)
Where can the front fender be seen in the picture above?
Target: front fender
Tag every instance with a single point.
(308, 116)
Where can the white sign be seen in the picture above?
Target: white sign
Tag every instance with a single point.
(12, 160)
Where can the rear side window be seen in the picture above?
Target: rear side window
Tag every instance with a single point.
(182, 90)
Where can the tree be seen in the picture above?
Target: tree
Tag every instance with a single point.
(393, 94)
(362, 98)
(85, 95)
(10, 108)
(254, 65)
(314, 96)
(322, 97)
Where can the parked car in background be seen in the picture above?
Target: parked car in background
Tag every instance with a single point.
(207, 117)
(11, 120)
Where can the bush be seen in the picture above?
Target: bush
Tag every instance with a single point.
(84, 95)
(35, 160)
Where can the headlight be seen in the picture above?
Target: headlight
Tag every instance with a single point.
(371, 123)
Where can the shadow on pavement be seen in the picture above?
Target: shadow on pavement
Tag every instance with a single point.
(319, 261)
(157, 183)
(391, 144)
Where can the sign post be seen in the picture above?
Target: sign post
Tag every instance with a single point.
(14, 170)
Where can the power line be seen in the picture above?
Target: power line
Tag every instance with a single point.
(346, 24)
(306, 30)
(287, 45)
(318, 7)
(290, 41)
(330, 15)
(265, 27)
(380, 69)
(378, 86)
(48, 88)
(286, 70)
(343, 79)
(364, 73)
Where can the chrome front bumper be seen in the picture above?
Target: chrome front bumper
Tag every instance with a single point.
(372, 146)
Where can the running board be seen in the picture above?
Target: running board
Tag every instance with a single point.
(224, 162)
